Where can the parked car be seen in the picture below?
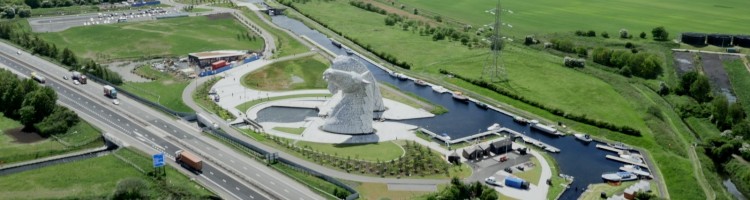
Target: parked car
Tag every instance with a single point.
(75, 82)
(491, 181)
(65, 77)
(503, 159)
(18, 52)
(116, 102)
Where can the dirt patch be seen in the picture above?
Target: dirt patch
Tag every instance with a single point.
(684, 62)
(714, 70)
(219, 16)
(22, 136)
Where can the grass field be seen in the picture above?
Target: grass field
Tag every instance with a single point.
(313, 182)
(541, 79)
(296, 131)
(297, 74)
(285, 44)
(177, 36)
(200, 96)
(740, 79)
(379, 191)
(532, 175)
(165, 90)
(92, 178)
(83, 135)
(385, 150)
(545, 16)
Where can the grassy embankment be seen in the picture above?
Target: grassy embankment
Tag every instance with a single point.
(200, 96)
(165, 89)
(297, 74)
(285, 44)
(593, 192)
(545, 16)
(92, 178)
(79, 137)
(541, 79)
(296, 131)
(166, 37)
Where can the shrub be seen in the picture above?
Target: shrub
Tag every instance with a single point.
(605, 35)
(660, 34)
(624, 33)
(591, 33)
(573, 62)
(643, 35)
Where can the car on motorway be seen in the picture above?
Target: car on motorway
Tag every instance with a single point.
(65, 77)
(116, 102)
(18, 52)
(75, 82)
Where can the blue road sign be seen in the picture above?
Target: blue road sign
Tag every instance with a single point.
(158, 160)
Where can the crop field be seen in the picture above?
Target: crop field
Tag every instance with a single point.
(177, 36)
(302, 73)
(545, 16)
(542, 79)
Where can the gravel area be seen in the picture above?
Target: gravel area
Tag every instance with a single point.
(714, 69)
(684, 62)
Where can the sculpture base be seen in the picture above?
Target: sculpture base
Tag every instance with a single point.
(342, 133)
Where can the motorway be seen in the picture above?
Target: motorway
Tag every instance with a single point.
(224, 167)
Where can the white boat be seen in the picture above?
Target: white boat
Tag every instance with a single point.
(583, 137)
(494, 127)
(392, 73)
(619, 176)
(632, 157)
(520, 120)
(460, 96)
(635, 170)
(620, 146)
(401, 76)
(534, 121)
(420, 82)
(439, 89)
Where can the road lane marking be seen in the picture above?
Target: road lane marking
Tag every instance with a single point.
(285, 190)
(238, 189)
(272, 183)
(225, 180)
(256, 174)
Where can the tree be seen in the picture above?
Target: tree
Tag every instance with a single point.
(24, 13)
(700, 89)
(644, 196)
(416, 12)
(720, 110)
(33, 3)
(643, 35)
(660, 34)
(58, 122)
(37, 105)
(736, 113)
(686, 80)
(742, 128)
(591, 33)
(605, 35)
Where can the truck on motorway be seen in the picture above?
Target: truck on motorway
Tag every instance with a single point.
(207, 122)
(110, 91)
(79, 77)
(188, 160)
(38, 78)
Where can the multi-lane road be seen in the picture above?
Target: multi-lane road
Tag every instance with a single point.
(238, 177)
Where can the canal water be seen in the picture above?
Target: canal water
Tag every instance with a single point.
(583, 161)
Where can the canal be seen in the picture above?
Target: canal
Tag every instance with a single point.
(583, 161)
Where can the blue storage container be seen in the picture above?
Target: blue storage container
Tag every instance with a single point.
(514, 182)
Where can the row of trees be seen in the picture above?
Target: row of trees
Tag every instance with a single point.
(559, 112)
(33, 42)
(33, 105)
(658, 33)
(11, 11)
(641, 64)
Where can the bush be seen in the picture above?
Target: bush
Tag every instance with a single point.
(624, 34)
(574, 62)
(591, 33)
(643, 35)
(131, 188)
(605, 35)
(660, 34)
